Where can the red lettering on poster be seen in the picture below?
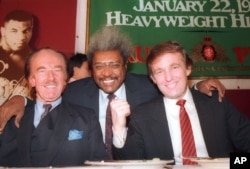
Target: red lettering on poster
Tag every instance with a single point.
(140, 54)
(241, 53)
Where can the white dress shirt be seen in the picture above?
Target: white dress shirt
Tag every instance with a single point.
(172, 112)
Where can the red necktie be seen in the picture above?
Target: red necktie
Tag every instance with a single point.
(188, 145)
(108, 129)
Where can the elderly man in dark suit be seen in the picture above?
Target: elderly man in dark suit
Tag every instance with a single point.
(65, 135)
(155, 128)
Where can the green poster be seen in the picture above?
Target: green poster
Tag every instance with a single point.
(215, 33)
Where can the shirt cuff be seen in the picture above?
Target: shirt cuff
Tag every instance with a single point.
(119, 140)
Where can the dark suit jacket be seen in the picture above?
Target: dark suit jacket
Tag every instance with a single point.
(85, 92)
(223, 127)
(60, 140)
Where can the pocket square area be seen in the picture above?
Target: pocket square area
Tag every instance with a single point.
(75, 134)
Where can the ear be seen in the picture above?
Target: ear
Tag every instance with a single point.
(153, 79)
(32, 81)
(189, 70)
(126, 65)
(2, 31)
(75, 68)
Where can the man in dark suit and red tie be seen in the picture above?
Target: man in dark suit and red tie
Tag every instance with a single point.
(67, 135)
(155, 127)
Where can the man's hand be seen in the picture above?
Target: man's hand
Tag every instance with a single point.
(206, 87)
(120, 109)
(13, 107)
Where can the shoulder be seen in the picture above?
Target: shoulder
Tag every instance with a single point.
(80, 87)
(138, 78)
(140, 82)
(211, 103)
(76, 110)
(80, 83)
(200, 97)
(151, 103)
(149, 107)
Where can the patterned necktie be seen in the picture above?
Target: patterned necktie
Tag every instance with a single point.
(47, 108)
(108, 129)
(188, 145)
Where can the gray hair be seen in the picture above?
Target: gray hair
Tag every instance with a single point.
(110, 38)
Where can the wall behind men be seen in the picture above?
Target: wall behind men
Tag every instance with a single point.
(54, 22)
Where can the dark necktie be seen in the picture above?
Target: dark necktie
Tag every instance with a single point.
(108, 129)
(188, 145)
(47, 108)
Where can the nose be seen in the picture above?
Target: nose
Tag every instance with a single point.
(107, 71)
(22, 37)
(51, 75)
(168, 76)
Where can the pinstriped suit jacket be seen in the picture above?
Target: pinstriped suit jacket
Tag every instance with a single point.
(61, 147)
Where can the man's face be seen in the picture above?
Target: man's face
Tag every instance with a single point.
(48, 75)
(169, 73)
(109, 70)
(16, 34)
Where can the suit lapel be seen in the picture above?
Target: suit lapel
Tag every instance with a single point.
(161, 124)
(205, 116)
(132, 94)
(24, 135)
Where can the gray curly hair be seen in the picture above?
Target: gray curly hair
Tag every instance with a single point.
(109, 38)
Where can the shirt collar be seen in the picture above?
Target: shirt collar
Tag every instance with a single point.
(187, 96)
(120, 93)
(53, 104)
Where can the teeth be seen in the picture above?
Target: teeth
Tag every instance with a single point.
(108, 81)
(50, 86)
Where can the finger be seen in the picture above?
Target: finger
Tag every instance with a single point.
(2, 125)
(209, 93)
(220, 98)
(221, 95)
(17, 121)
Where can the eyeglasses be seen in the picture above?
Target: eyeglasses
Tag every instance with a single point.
(111, 65)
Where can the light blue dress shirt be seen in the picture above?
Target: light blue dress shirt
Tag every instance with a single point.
(39, 110)
(103, 103)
